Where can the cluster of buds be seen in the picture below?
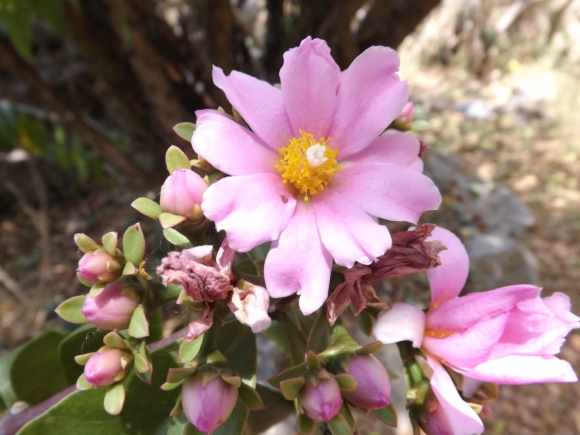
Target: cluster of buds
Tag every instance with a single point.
(345, 374)
(110, 366)
(209, 391)
(100, 264)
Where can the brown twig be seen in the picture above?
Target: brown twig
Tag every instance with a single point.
(12, 286)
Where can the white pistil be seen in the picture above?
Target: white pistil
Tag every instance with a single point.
(315, 155)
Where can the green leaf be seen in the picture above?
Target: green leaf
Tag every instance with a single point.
(176, 159)
(320, 334)
(188, 350)
(347, 414)
(114, 399)
(113, 339)
(147, 207)
(146, 406)
(306, 426)
(184, 130)
(340, 343)
(339, 426)
(370, 348)
(129, 269)
(291, 387)
(141, 364)
(17, 19)
(241, 353)
(250, 398)
(85, 243)
(173, 425)
(365, 320)
(110, 242)
(134, 244)
(85, 339)
(295, 336)
(52, 11)
(277, 410)
(346, 382)
(235, 423)
(387, 415)
(178, 239)
(168, 220)
(138, 327)
(6, 391)
(259, 252)
(70, 310)
(190, 429)
(179, 374)
(292, 372)
(36, 374)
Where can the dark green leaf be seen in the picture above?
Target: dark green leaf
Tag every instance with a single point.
(339, 426)
(295, 336)
(36, 373)
(134, 244)
(320, 334)
(6, 392)
(250, 398)
(173, 425)
(236, 422)
(277, 410)
(306, 426)
(347, 414)
(291, 387)
(387, 415)
(240, 352)
(346, 382)
(292, 372)
(365, 321)
(84, 339)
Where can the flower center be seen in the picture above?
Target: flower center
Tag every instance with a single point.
(438, 333)
(308, 164)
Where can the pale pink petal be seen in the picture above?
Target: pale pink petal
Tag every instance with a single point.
(298, 262)
(259, 103)
(402, 322)
(387, 190)
(230, 147)
(462, 418)
(524, 369)
(559, 304)
(447, 281)
(466, 349)
(309, 79)
(252, 209)
(464, 312)
(392, 147)
(470, 386)
(347, 232)
(370, 97)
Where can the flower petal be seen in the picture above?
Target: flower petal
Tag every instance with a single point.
(464, 312)
(392, 147)
(461, 417)
(259, 103)
(347, 232)
(230, 147)
(387, 190)
(466, 349)
(370, 97)
(402, 322)
(447, 281)
(524, 369)
(252, 209)
(298, 262)
(309, 79)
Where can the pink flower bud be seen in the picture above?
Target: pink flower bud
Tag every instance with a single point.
(99, 266)
(102, 367)
(113, 307)
(407, 113)
(181, 192)
(321, 402)
(432, 418)
(206, 407)
(374, 386)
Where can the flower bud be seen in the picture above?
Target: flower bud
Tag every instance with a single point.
(406, 115)
(104, 366)
(322, 401)
(181, 193)
(432, 418)
(113, 307)
(98, 266)
(207, 406)
(374, 386)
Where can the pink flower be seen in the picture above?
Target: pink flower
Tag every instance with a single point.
(207, 405)
(374, 387)
(181, 192)
(507, 336)
(113, 307)
(98, 266)
(321, 402)
(314, 171)
(104, 366)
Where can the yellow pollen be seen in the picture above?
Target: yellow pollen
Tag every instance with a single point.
(438, 334)
(308, 171)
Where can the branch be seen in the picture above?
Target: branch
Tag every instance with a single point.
(18, 68)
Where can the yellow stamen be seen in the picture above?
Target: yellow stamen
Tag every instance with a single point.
(438, 334)
(309, 173)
